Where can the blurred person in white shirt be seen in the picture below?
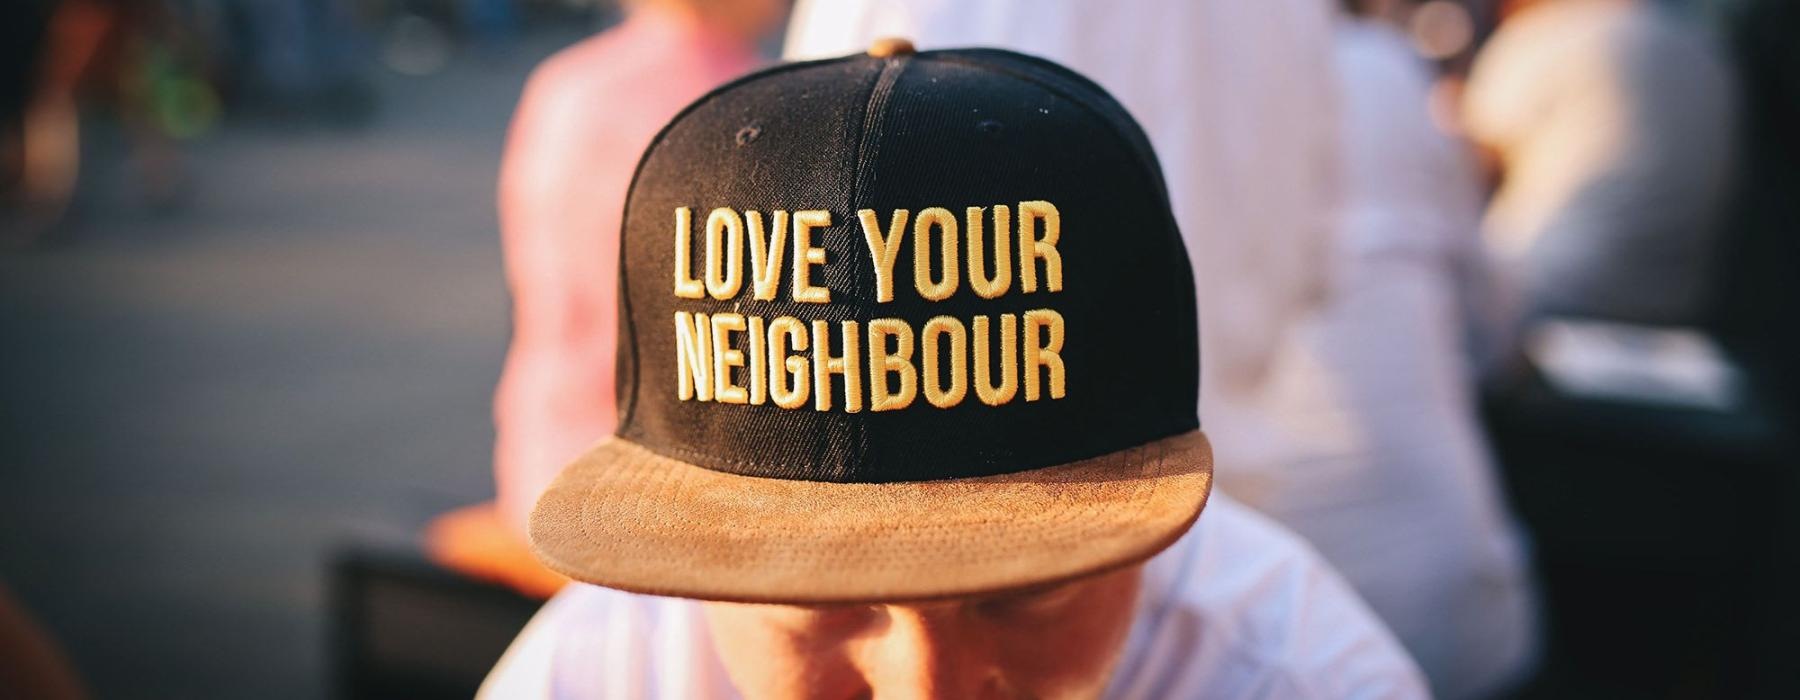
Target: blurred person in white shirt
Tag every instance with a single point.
(1351, 423)
(1390, 476)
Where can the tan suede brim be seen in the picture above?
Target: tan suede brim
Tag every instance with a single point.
(624, 517)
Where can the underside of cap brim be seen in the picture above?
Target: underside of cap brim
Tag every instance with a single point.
(628, 518)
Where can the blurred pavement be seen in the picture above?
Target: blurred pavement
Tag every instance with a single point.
(196, 407)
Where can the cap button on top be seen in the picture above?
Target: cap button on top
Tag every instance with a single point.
(891, 46)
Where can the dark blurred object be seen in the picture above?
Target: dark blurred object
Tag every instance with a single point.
(125, 59)
(31, 665)
(23, 25)
(51, 48)
(406, 628)
(1663, 536)
(1669, 537)
(290, 59)
(1757, 299)
(490, 20)
(1614, 125)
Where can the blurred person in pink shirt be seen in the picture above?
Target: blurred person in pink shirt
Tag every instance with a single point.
(586, 115)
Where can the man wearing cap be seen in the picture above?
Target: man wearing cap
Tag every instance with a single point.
(906, 395)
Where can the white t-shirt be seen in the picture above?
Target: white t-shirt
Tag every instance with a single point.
(1237, 608)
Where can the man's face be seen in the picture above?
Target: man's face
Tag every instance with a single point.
(1057, 642)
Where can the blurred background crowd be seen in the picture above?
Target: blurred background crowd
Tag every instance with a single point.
(1498, 298)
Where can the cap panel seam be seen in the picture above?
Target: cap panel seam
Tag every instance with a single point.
(868, 148)
(868, 145)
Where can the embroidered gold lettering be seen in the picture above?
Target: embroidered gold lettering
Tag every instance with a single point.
(759, 373)
(1031, 248)
(1009, 360)
(693, 356)
(806, 256)
(935, 391)
(883, 251)
(725, 357)
(789, 361)
(883, 363)
(686, 285)
(1047, 355)
(766, 254)
(848, 364)
(788, 332)
(724, 268)
(945, 222)
(990, 287)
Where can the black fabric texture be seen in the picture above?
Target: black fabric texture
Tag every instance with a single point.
(951, 129)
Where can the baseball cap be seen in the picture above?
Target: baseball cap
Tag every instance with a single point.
(894, 326)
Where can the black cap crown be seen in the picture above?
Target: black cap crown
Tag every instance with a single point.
(908, 267)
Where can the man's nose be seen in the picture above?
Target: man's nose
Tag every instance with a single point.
(932, 653)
